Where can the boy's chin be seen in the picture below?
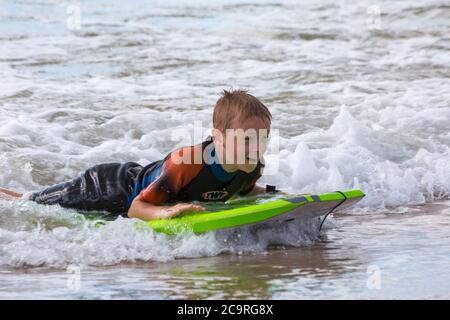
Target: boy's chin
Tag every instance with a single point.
(247, 167)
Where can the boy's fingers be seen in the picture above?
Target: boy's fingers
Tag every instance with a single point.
(192, 206)
(182, 207)
(198, 207)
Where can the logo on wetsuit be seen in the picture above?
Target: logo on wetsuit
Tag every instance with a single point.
(214, 195)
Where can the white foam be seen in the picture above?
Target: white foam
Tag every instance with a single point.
(36, 235)
(356, 107)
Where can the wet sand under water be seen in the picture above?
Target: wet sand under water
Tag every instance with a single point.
(394, 256)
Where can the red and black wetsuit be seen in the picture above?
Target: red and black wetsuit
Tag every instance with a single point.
(166, 181)
(113, 186)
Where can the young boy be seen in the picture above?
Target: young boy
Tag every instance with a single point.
(211, 171)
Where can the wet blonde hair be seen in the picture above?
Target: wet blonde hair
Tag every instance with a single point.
(237, 105)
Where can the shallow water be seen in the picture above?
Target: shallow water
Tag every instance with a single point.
(397, 256)
(357, 102)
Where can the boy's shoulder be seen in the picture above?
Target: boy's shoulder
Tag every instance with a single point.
(184, 163)
(193, 155)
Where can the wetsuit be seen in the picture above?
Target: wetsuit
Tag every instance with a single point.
(112, 187)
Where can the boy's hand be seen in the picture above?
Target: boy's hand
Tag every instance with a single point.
(179, 208)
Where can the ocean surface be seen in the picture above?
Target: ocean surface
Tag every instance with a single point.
(360, 98)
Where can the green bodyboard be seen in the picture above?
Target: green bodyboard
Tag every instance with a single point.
(252, 211)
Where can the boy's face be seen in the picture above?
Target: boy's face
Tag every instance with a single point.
(241, 146)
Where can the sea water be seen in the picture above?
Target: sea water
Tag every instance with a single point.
(360, 98)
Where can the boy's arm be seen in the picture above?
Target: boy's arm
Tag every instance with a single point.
(149, 204)
(259, 190)
(253, 189)
(147, 211)
(173, 177)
